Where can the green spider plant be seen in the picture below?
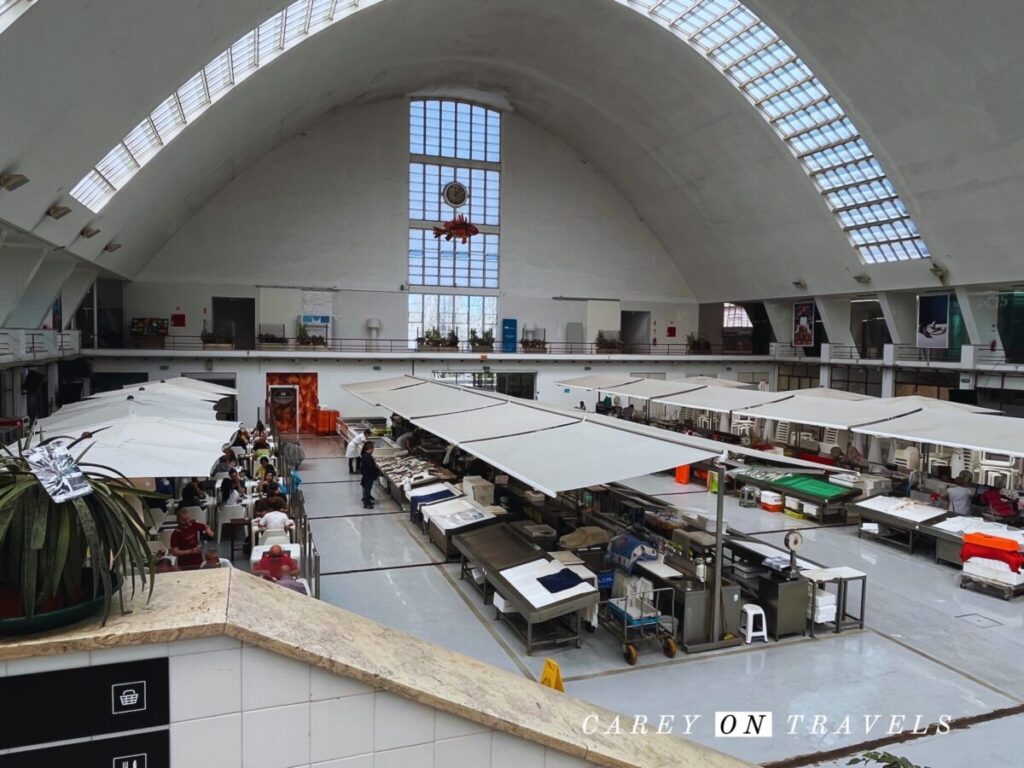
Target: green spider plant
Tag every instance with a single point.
(44, 545)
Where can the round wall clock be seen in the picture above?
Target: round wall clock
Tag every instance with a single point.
(455, 194)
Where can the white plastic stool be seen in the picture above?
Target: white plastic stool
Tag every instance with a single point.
(748, 623)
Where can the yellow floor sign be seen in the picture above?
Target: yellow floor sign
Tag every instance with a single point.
(551, 675)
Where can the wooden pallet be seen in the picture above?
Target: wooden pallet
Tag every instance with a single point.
(1005, 591)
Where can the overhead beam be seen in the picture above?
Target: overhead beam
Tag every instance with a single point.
(19, 267)
(74, 290)
(38, 296)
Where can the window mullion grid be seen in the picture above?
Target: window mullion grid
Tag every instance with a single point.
(156, 133)
(817, 126)
(715, 20)
(693, 4)
(256, 48)
(231, 65)
(206, 86)
(746, 57)
(790, 112)
(284, 28)
(731, 38)
(836, 166)
(878, 223)
(131, 155)
(779, 91)
(784, 63)
(865, 204)
(334, 9)
(309, 16)
(181, 111)
(832, 145)
(850, 185)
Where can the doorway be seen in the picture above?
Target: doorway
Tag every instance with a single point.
(234, 321)
(636, 328)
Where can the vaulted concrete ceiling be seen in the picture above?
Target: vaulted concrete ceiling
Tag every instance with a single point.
(940, 104)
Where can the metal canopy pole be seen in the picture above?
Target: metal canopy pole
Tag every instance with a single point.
(716, 594)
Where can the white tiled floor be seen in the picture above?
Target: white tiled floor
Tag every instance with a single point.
(910, 600)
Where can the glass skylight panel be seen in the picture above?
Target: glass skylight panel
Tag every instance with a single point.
(426, 182)
(168, 119)
(192, 96)
(142, 141)
(673, 9)
(268, 37)
(218, 75)
(320, 12)
(93, 191)
(777, 80)
(296, 19)
(455, 130)
(243, 56)
(118, 166)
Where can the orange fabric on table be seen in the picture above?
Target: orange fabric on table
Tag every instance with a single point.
(992, 542)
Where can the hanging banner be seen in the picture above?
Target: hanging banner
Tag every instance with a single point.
(933, 321)
(803, 324)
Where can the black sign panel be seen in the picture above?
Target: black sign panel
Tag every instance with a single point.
(140, 750)
(88, 701)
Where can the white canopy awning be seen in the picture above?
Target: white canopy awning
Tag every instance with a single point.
(429, 399)
(714, 381)
(77, 417)
(834, 394)
(500, 421)
(954, 428)
(844, 414)
(647, 389)
(202, 386)
(605, 382)
(382, 385)
(722, 399)
(581, 455)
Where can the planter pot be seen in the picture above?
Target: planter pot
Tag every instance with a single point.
(481, 347)
(310, 346)
(428, 348)
(279, 346)
(610, 350)
(535, 350)
(45, 621)
(222, 347)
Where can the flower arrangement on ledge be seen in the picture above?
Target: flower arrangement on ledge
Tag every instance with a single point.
(434, 341)
(214, 340)
(605, 344)
(304, 338)
(481, 342)
(533, 345)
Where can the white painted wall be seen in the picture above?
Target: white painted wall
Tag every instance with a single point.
(192, 299)
(328, 209)
(235, 705)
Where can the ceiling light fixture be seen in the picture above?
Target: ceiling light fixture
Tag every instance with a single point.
(800, 284)
(111, 247)
(58, 211)
(940, 272)
(88, 232)
(862, 279)
(11, 181)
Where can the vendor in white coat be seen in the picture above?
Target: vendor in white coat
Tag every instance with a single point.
(354, 448)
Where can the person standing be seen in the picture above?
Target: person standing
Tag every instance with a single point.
(959, 495)
(370, 472)
(354, 450)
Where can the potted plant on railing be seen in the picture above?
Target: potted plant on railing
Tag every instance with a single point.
(214, 340)
(481, 343)
(605, 344)
(69, 537)
(434, 341)
(305, 339)
(696, 345)
(272, 341)
(533, 345)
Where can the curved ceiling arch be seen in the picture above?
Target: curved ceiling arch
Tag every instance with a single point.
(745, 50)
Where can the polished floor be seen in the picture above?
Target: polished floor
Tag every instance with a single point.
(930, 650)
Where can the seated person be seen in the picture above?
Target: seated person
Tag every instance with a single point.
(274, 489)
(272, 562)
(289, 580)
(230, 492)
(241, 440)
(275, 518)
(211, 559)
(269, 478)
(164, 565)
(224, 464)
(192, 495)
(998, 504)
(261, 443)
(185, 541)
(264, 467)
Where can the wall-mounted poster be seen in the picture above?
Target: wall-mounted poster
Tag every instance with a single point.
(803, 324)
(933, 321)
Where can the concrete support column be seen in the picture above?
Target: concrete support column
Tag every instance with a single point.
(900, 312)
(835, 316)
(980, 310)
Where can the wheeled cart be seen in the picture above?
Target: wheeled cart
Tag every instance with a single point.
(636, 618)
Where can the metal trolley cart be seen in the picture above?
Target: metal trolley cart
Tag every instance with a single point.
(636, 618)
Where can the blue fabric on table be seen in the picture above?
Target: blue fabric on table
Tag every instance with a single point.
(561, 581)
(416, 501)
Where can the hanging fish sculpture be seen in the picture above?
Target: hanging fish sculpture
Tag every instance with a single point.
(457, 229)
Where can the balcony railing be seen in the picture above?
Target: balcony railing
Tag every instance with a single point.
(26, 345)
(353, 345)
(908, 353)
